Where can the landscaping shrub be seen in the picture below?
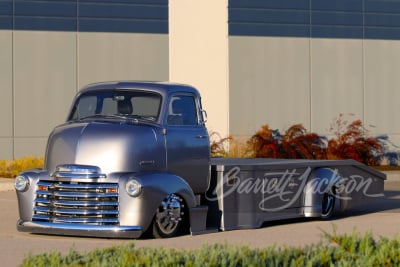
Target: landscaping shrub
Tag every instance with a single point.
(295, 143)
(11, 168)
(240, 148)
(219, 145)
(265, 143)
(334, 250)
(229, 146)
(349, 141)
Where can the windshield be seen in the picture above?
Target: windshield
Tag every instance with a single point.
(122, 103)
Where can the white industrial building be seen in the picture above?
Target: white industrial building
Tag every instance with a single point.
(275, 62)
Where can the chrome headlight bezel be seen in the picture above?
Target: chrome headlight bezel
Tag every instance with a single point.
(133, 187)
(21, 183)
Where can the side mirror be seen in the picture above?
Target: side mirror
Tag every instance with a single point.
(204, 115)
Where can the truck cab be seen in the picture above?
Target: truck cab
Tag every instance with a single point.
(131, 157)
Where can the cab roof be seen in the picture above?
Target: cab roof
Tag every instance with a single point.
(164, 88)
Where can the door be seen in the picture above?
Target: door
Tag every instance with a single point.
(187, 142)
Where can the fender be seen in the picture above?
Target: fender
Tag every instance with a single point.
(140, 210)
(320, 181)
(26, 199)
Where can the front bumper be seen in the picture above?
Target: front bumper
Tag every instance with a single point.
(79, 229)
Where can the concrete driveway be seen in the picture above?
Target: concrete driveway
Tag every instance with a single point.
(382, 217)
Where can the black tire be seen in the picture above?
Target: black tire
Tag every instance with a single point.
(328, 205)
(168, 219)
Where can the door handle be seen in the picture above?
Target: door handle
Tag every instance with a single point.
(201, 136)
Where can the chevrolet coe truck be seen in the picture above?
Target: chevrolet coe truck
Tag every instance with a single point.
(133, 158)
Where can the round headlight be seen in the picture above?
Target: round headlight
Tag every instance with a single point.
(21, 183)
(133, 188)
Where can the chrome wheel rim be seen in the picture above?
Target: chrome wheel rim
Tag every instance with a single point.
(169, 214)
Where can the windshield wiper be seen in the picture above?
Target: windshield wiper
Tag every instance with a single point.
(127, 118)
(118, 116)
(131, 118)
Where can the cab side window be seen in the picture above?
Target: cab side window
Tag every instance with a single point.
(182, 111)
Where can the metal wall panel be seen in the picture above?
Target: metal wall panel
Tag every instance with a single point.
(371, 19)
(6, 148)
(349, 72)
(338, 5)
(269, 83)
(45, 15)
(6, 19)
(126, 16)
(113, 56)
(6, 103)
(270, 4)
(336, 81)
(313, 81)
(44, 80)
(30, 146)
(57, 46)
(133, 16)
(269, 18)
(382, 80)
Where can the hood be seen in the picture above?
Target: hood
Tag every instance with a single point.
(113, 147)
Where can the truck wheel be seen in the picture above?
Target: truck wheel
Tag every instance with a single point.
(328, 205)
(168, 219)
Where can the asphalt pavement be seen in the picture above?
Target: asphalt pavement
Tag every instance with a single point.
(381, 217)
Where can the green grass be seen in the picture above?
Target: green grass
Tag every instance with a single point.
(334, 250)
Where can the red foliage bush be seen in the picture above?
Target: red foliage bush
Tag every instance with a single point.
(349, 142)
(296, 143)
(264, 143)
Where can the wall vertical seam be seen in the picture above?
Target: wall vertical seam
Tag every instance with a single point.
(310, 66)
(227, 70)
(77, 48)
(13, 81)
(363, 60)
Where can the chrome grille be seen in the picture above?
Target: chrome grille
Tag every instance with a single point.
(76, 202)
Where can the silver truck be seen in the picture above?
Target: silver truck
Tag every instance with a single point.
(133, 158)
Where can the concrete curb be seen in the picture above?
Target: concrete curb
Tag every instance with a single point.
(392, 175)
(7, 184)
